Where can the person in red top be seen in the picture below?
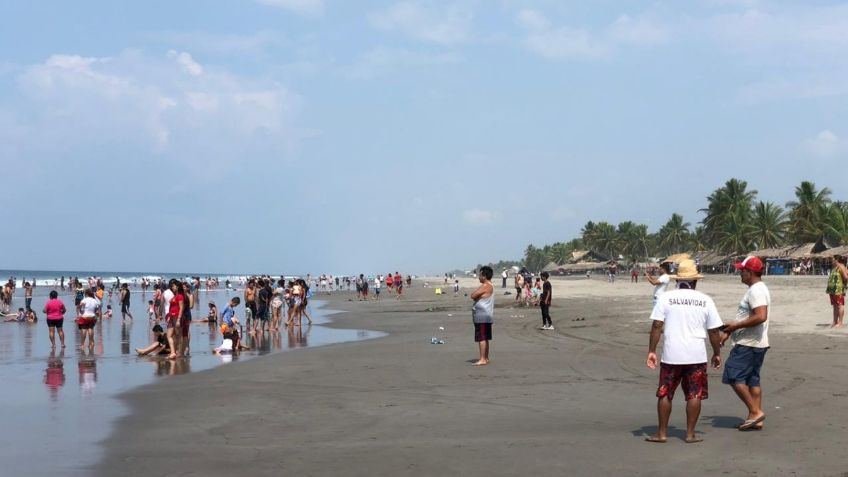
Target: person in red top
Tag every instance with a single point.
(175, 313)
(389, 282)
(55, 311)
(398, 283)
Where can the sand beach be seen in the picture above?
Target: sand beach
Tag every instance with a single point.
(575, 401)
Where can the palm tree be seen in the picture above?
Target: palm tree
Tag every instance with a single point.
(733, 201)
(735, 236)
(674, 235)
(559, 253)
(697, 239)
(608, 241)
(836, 227)
(769, 224)
(807, 214)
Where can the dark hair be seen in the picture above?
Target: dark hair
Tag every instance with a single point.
(157, 328)
(54, 294)
(487, 272)
(89, 293)
(840, 259)
(666, 266)
(235, 300)
(545, 275)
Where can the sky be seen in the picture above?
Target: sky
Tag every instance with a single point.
(331, 136)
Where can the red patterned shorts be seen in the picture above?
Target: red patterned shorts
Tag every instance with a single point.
(692, 376)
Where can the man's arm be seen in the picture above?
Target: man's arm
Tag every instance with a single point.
(479, 292)
(715, 342)
(758, 315)
(654, 281)
(656, 332)
(843, 271)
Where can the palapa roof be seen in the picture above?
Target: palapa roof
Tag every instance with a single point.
(843, 250)
(584, 266)
(711, 258)
(580, 256)
(551, 267)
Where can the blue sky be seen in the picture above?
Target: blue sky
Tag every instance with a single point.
(287, 136)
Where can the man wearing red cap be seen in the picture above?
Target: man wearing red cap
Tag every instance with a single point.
(750, 338)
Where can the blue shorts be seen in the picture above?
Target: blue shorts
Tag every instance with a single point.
(743, 366)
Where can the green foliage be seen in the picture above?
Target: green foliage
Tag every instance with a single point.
(735, 222)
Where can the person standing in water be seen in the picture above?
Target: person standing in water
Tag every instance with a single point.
(125, 302)
(55, 310)
(483, 313)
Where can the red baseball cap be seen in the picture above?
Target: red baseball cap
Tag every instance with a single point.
(751, 263)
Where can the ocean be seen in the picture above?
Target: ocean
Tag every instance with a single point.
(63, 402)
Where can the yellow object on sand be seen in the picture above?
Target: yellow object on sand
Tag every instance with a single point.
(438, 291)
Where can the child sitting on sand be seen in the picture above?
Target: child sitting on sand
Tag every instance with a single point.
(159, 344)
(108, 313)
(212, 317)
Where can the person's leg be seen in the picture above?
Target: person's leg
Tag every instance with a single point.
(835, 313)
(744, 392)
(484, 353)
(663, 414)
(172, 342)
(693, 411)
(91, 338)
(52, 330)
(841, 315)
(62, 337)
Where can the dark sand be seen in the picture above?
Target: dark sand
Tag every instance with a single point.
(575, 401)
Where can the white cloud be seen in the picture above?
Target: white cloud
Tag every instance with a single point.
(381, 60)
(825, 145)
(640, 31)
(305, 7)
(565, 42)
(187, 62)
(444, 26)
(170, 105)
(480, 217)
(227, 44)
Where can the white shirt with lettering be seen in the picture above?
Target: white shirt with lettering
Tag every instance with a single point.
(756, 336)
(687, 315)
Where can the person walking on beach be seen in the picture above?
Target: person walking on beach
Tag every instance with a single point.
(88, 318)
(545, 302)
(685, 318)
(836, 289)
(519, 286)
(750, 337)
(125, 302)
(660, 283)
(55, 311)
(483, 313)
(398, 284)
(504, 276)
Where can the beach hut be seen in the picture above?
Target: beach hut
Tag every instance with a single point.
(552, 267)
(587, 256)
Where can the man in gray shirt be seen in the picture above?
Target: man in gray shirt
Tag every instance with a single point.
(483, 313)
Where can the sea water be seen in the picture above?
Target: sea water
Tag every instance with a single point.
(60, 403)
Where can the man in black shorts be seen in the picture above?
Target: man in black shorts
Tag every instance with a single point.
(483, 313)
(125, 302)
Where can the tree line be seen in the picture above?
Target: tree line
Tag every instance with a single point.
(735, 222)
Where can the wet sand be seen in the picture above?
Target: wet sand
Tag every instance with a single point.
(575, 401)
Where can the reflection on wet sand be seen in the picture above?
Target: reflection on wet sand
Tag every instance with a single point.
(54, 375)
(126, 328)
(87, 365)
(298, 336)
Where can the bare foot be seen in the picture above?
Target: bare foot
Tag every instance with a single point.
(656, 438)
(481, 362)
(172, 356)
(693, 439)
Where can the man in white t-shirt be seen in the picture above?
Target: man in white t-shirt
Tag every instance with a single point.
(750, 338)
(685, 318)
(660, 283)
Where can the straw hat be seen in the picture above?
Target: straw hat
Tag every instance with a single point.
(677, 258)
(687, 270)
